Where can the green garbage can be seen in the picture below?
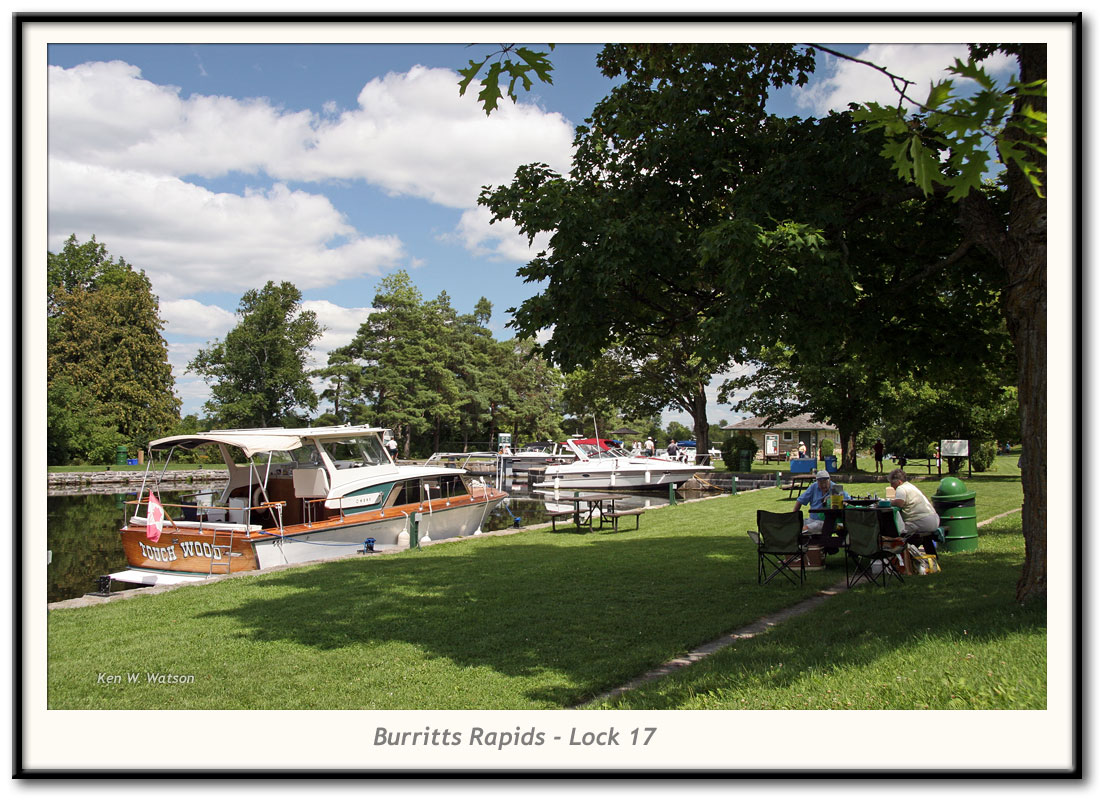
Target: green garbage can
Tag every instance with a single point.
(122, 452)
(746, 460)
(958, 515)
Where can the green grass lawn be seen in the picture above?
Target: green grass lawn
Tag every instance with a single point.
(954, 640)
(539, 619)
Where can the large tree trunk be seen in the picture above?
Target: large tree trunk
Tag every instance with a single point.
(698, 413)
(1021, 248)
(847, 448)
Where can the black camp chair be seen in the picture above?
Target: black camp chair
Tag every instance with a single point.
(779, 546)
(865, 548)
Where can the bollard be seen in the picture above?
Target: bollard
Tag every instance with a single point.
(672, 494)
(778, 480)
(733, 485)
(414, 532)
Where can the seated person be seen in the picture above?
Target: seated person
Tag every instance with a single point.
(917, 514)
(817, 498)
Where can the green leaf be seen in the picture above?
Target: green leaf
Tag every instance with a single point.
(939, 94)
(973, 71)
(490, 89)
(926, 167)
(469, 74)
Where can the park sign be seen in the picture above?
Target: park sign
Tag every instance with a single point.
(954, 447)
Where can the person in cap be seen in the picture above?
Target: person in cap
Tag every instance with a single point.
(817, 498)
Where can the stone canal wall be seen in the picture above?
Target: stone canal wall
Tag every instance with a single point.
(128, 478)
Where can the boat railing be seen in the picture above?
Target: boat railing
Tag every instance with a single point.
(202, 523)
(497, 462)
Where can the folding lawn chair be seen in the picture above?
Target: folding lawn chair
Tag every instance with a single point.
(779, 546)
(865, 548)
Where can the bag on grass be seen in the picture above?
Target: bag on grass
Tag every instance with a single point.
(923, 563)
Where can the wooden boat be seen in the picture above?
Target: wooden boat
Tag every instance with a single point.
(297, 495)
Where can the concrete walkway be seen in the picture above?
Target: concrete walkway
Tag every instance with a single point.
(710, 648)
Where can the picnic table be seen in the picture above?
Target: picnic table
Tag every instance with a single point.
(602, 504)
(833, 533)
(592, 502)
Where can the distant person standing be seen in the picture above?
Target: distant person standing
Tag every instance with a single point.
(650, 447)
(878, 455)
(391, 446)
(673, 449)
(801, 449)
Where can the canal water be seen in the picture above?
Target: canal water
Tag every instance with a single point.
(82, 529)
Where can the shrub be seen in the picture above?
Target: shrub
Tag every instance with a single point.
(983, 456)
(827, 447)
(733, 445)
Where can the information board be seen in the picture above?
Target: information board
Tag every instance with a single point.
(954, 447)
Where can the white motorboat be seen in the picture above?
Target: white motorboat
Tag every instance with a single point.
(296, 495)
(600, 467)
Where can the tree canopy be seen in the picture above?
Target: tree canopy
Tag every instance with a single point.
(439, 378)
(675, 210)
(108, 379)
(257, 374)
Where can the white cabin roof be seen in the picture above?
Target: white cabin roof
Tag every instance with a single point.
(264, 440)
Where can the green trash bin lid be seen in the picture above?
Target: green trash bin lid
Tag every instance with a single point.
(951, 488)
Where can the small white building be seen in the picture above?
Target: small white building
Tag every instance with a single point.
(779, 441)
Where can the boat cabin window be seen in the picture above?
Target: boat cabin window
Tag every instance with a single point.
(594, 452)
(358, 452)
(445, 486)
(422, 490)
(403, 493)
(304, 456)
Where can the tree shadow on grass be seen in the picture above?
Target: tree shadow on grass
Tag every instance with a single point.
(592, 610)
(972, 600)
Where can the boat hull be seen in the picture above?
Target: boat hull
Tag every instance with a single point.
(657, 477)
(210, 551)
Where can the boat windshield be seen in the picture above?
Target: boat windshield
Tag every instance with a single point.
(357, 452)
(591, 451)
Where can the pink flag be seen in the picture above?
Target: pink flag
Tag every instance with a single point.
(154, 518)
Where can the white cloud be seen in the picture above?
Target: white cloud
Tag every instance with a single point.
(499, 240)
(849, 82)
(122, 150)
(340, 323)
(189, 239)
(180, 355)
(411, 134)
(192, 318)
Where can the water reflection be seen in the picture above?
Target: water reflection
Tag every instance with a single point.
(82, 537)
(82, 529)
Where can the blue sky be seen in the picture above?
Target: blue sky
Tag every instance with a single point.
(217, 167)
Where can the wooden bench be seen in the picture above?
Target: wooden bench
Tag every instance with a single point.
(615, 515)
